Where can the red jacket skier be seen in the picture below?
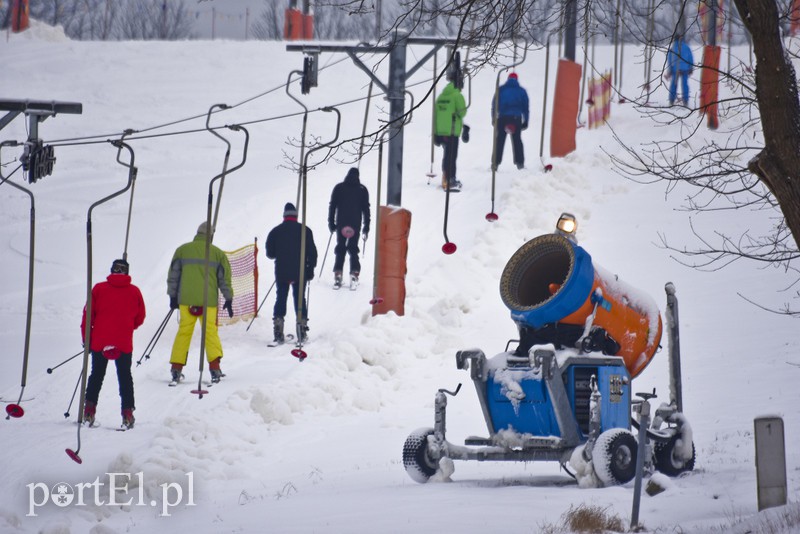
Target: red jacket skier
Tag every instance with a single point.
(117, 310)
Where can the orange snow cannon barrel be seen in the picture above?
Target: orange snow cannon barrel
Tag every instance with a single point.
(551, 280)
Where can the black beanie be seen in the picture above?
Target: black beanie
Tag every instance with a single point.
(120, 267)
(289, 210)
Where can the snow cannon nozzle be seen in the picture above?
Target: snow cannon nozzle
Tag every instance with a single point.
(555, 294)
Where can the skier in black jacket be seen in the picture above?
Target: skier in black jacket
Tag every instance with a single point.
(349, 201)
(283, 246)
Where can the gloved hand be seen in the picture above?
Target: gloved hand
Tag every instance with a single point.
(228, 306)
(173, 303)
(365, 231)
(524, 125)
(331, 227)
(309, 275)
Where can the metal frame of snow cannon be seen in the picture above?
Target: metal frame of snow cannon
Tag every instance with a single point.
(426, 447)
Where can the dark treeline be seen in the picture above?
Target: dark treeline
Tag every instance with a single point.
(532, 20)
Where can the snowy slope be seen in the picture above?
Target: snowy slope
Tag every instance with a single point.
(316, 447)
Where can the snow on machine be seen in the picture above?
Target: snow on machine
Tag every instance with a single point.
(564, 393)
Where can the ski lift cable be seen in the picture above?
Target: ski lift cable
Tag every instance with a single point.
(193, 117)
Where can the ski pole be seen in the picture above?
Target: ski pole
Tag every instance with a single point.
(152, 344)
(363, 245)
(51, 369)
(66, 414)
(325, 257)
(259, 306)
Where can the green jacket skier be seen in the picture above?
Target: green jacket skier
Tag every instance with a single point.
(449, 121)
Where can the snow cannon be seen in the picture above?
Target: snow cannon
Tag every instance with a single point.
(557, 295)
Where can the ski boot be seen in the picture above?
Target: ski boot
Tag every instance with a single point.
(216, 375)
(337, 279)
(277, 330)
(214, 369)
(302, 331)
(177, 376)
(353, 281)
(88, 413)
(127, 418)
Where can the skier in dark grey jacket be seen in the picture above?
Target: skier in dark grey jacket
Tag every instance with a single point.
(349, 204)
(283, 246)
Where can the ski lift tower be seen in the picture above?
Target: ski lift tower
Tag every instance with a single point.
(394, 89)
(389, 282)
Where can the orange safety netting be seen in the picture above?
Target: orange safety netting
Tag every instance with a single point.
(244, 278)
(599, 100)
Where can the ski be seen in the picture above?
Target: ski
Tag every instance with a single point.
(287, 337)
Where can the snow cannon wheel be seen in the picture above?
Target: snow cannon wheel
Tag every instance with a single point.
(449, 248)
(492, 216)
(614, 457)
(418, 463)
(15, 411)
(667, 459)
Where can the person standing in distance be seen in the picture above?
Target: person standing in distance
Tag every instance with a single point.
(680, 64)
(510, 116)
(283, 246)
(185, 287)
(448, 119)
(117, 310)
(349, 204)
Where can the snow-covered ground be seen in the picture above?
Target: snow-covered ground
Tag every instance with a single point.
(281, 446)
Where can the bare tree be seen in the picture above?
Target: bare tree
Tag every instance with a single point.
(269, 26)
(752, 163)
(154, 19)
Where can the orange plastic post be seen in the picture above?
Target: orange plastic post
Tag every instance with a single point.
(395, 225)
(293, 25)
(709, 84)
(308, 27)
(19, 16)
(565, 108)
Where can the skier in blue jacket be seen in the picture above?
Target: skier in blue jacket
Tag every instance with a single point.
(510, 117)
(680, 63)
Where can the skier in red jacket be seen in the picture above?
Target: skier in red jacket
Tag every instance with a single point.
(117, 310)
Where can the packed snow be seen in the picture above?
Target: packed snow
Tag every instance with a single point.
(284, 446)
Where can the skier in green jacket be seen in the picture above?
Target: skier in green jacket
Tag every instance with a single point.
(450, 111)
(185, 283)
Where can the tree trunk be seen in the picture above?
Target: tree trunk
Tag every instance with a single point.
(778, 164)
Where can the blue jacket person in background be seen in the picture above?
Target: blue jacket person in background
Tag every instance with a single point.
(680, 63)
(511, 117)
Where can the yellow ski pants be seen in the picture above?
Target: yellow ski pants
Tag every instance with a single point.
(180, 347)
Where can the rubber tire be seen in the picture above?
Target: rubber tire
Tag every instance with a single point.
(419, 466)
(665, 459)
(614, 456)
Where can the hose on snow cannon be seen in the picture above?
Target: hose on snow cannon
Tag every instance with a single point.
(556, 295)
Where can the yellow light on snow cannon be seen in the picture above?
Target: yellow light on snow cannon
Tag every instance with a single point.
(556, 295)
(567, 225)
